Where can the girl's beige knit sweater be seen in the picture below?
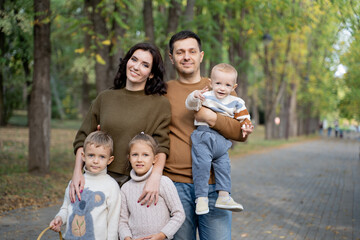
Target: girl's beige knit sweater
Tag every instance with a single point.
(139, 221)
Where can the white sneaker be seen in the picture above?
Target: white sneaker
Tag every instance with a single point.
(202, 205)
(227, 203)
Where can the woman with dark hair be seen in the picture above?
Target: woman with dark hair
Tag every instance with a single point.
(156, 83)
(134, 104)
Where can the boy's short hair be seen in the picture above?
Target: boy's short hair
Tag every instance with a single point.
(224, 67)
(181, 36)
(99, 138)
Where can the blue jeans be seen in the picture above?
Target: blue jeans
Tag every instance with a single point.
(215, 225)
(210, 148)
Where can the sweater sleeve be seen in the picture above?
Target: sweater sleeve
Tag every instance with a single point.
(161, 133)
(63, 212)
(228, 127)
(114, 205)
(172, 200)
(193, 103)
(89, 124)
(124, 228)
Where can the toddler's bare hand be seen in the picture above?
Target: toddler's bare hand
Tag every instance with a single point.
(247, 129)
(199, 93)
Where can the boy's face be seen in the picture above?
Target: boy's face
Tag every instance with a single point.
(96, 158)
(187, 56)
(141, 157)
(222, 83)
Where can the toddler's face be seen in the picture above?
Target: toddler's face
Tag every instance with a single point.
(96, 158)
(222, 83)
(141, 157)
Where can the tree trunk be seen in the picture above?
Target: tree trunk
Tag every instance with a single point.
(149, 21)
(85, 90)
(102, 51)
(255, 118)
(243, 62)
(269, 115)
(189, 14)
(272, 98)
(173, 21)
(40, 102)
(219, 37)
(292, 129)
(116, 42)
(284, 116)
(2, 93)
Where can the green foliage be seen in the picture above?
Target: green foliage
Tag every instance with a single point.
(350, 104)
(313, 27)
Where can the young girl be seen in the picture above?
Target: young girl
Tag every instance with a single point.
(143, 221)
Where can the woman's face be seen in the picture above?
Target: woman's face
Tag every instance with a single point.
(138, 70)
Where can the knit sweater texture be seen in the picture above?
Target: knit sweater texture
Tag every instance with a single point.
(178, 164)
(229, 106)
(105, 217)
(140, 221)
(123, 114)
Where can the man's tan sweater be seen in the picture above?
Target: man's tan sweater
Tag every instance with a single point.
(178, 164)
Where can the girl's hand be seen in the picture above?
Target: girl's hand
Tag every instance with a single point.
(55, 224)
(150, 192)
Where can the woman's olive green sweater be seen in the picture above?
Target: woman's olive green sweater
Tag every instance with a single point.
(123, 114)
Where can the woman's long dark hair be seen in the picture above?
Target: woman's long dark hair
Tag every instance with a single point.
(154, 85)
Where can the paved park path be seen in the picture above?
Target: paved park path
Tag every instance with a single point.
(304, 191)
(308, 190)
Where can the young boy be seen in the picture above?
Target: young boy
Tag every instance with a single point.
(208, 146)
(96, 214)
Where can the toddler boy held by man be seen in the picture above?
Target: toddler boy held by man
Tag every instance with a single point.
(208, 146)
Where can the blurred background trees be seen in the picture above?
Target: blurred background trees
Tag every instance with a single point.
(287, 53)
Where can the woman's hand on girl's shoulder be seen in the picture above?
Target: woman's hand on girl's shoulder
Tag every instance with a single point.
(150, 192)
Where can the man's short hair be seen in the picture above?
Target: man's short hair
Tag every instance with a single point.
(183, 35)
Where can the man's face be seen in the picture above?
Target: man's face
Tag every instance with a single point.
(187, 56)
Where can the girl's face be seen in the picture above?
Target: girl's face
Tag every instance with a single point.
(141, 157)
(138, 70)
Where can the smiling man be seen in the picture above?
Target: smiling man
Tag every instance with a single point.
(186, 55)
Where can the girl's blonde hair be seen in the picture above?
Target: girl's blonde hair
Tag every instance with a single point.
(149, 140)
(99, 138)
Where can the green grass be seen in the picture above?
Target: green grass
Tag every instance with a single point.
(19, 119)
